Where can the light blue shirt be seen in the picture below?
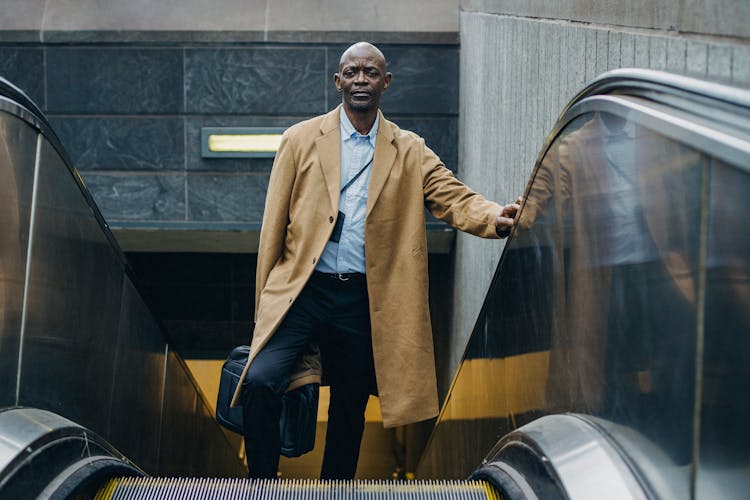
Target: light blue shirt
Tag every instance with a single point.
(348, 255)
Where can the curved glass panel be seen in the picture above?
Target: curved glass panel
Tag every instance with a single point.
(76, 337)
(625, 267)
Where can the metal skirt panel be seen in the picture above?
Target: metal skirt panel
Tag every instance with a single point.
(297, 489)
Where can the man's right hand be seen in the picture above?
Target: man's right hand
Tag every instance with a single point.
(507, 218)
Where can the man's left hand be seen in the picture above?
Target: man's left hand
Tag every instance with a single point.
(507, 218)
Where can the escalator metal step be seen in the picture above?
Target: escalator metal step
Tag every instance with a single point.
(147, 488)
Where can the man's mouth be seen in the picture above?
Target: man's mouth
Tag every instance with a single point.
(360, 94)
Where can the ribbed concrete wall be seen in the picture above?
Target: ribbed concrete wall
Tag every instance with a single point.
(708, 17)
(516, 75)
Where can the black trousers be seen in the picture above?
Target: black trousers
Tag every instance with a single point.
(336, 313)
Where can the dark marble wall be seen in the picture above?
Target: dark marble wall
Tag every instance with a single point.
(206, 298)
(130, 115)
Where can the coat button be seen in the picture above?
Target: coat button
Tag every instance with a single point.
(330, 219)
(313, 260)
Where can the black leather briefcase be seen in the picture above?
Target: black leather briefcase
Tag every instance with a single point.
(299, 407)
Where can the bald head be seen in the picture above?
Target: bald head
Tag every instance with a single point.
(362, 50)
(361, 79)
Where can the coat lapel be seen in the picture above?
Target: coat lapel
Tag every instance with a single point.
(329, 152)
(385, 153)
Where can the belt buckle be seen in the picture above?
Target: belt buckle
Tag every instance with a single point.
(342, 277)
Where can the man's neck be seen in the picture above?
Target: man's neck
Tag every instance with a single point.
(362, 121)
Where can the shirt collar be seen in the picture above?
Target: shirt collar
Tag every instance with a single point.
(347, 129)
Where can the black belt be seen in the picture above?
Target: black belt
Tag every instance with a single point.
(339, 276)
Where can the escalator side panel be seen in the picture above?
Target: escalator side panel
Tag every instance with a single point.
(189, 431)
(179, 428)
(215, 463)
(724, 437)
(74, 296)
(17, 153)
(137, 382)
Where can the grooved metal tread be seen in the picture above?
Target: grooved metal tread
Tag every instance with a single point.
(149, 488)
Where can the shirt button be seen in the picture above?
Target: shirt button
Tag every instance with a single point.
(330, 219)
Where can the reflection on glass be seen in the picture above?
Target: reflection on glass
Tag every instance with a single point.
(627, 207)
(596, 306)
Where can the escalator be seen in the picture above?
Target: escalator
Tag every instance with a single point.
(608, 361)
(87, 374)
(610, 355)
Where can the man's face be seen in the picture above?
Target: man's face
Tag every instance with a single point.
(362, 78)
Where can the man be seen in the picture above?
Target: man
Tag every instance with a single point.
(343, 261)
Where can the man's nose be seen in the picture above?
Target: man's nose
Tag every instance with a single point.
(360, 77)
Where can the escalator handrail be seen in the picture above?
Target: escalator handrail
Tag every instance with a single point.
(635, 81)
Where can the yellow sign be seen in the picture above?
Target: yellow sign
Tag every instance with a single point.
(244, 143)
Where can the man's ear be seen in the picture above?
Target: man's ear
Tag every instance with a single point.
(387, 82)
(336, 81)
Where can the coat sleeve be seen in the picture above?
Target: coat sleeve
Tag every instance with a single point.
(275, 215)
(452, 201)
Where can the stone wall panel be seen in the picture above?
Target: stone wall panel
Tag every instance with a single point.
(24, 67)
(439, 135)
(123, 143)
(226, 198)
(120, 80)
(138, 197)
(262, 80)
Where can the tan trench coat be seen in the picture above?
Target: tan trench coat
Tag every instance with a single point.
(300, 213)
